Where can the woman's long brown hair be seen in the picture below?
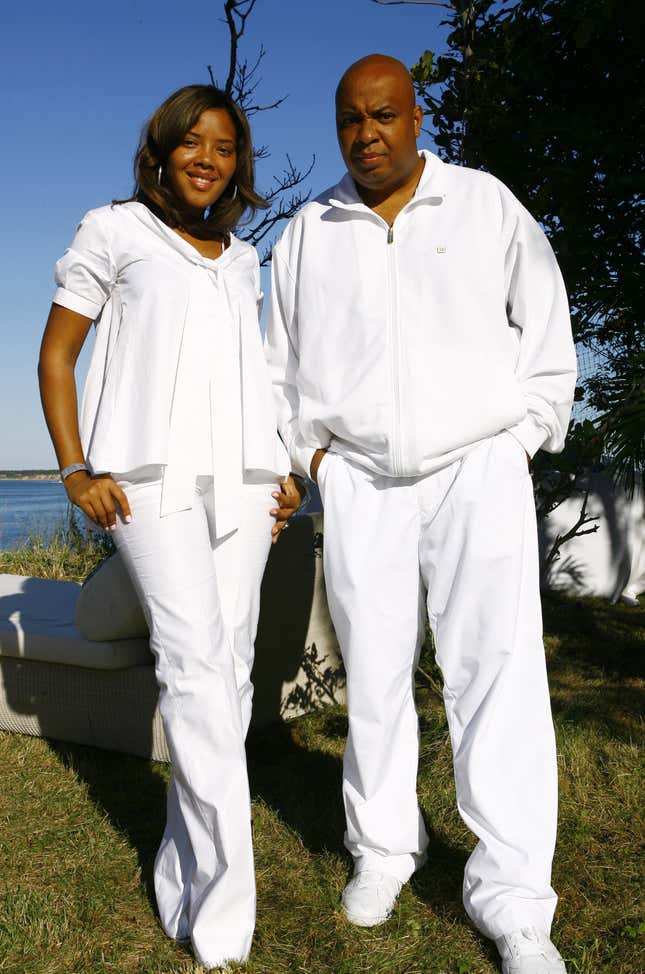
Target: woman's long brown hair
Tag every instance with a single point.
(163, 133)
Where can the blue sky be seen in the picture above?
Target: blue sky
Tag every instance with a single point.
(79, 80)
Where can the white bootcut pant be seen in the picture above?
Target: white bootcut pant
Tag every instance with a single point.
(201, 599)
(466, 536)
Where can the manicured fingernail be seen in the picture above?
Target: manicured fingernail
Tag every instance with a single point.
(128, 518)
(112, 527)
(275, 494)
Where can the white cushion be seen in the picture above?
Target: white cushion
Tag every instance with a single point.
(37, 623)
(108, 607)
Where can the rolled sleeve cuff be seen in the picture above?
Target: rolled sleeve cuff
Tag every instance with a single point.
(530, 434)
(301, 458)
(67, 299)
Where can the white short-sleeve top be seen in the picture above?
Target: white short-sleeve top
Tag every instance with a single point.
(177, 376)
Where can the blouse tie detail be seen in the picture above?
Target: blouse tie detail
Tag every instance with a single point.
(205, 436)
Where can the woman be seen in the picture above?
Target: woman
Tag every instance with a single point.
(178, 438)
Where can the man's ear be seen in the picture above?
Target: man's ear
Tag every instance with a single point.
(417, 114)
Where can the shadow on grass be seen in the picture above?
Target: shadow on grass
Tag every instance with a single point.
(594, 633)
(131, 791)
(439, 883)
(301, 785)
(595, 657)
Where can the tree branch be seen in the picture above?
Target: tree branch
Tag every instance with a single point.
(237, 13)
(419, 3)
(281, 209)
(284, 197)
(432, 683)
(573, 532)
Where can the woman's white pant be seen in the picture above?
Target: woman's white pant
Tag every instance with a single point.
(466, 536)
(201, 600)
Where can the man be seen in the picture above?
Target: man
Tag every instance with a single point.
(421, 351)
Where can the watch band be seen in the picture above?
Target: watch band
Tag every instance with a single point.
(73, 468)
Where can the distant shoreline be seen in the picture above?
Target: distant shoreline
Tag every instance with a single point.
(29, 475)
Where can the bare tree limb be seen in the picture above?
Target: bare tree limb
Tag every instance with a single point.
(286, 194)
(432, 683)
(281, 208)
(237, 13)
(242, 78)
(419, 3)
(245, 83)
(253, 109)
(573, 532)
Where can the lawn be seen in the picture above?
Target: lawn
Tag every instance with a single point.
(79, 830)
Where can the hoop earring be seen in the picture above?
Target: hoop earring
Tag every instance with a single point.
(234, 196)
(159, 174)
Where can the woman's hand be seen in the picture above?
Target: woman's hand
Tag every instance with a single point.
(289, 500)
(97, 497)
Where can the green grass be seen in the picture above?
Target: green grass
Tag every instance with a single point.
(79, 829)
(68, 553)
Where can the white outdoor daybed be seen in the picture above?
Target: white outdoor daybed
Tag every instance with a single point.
(56, 683)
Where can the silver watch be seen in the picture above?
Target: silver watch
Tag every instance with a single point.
(73, 468)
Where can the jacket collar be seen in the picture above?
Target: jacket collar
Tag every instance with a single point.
(430, 189)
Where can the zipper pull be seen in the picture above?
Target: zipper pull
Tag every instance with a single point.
(390, 235)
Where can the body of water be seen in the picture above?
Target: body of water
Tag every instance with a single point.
(41, 506)
(28, 507)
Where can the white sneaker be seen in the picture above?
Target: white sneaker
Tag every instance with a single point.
(629, 597)
(529, 951)
(369, 898)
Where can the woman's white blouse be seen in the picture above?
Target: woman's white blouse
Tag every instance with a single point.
(177, 376)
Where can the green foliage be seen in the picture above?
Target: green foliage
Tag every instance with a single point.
(544, 94)
(617, 391)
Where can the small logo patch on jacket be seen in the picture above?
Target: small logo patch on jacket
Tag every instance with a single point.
(441, 250)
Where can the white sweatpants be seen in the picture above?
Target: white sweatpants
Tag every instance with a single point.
(466, 536)
(201, 600)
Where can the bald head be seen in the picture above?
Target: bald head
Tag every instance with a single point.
(377, 67)
(378, 124)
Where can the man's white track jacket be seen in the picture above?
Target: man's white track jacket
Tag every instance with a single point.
(402, 349)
